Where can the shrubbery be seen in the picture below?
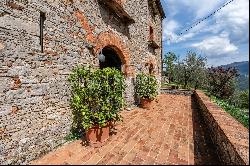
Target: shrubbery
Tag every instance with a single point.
(97, 96)
(240, 99)
(221, 82)
(236, 112)
(146, 86)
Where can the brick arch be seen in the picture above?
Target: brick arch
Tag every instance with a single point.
(109, 39)
(120, 2)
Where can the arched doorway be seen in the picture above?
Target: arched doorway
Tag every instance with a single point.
(110, 39)
(110, 59)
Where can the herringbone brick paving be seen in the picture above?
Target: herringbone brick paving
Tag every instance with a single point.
(171, 132)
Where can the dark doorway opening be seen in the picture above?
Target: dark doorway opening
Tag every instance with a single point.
(151, 68)
(111, 59)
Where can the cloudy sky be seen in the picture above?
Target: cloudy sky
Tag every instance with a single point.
(223, 38)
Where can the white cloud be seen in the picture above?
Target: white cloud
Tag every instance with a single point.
(220, 37)
(169, 32)
(170, 26)
(218, 49)
(234, 19)
(200, 9)
(216, 46)
(232, 29)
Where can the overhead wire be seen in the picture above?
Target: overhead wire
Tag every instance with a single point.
(203, 19)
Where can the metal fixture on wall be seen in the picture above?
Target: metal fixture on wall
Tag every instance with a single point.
(101, 57)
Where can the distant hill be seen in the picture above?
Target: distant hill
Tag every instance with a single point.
(243, 79)
(243, 82)
(243, 67)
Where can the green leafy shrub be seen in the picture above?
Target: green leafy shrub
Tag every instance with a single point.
(240, 99)
(97, 96)
(146, 86)
(239, 114)
(221, 81)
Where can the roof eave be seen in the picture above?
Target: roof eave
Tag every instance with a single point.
(158, 2)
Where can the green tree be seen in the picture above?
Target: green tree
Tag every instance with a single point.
(196, 69)
(191, 71)
(169, 60)
(222, 82)
(240, 99)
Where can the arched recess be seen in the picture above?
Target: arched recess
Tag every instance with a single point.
(151, 65)
(110, 39)
(112, 59)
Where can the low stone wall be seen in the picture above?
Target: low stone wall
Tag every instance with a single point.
(230, 137)
(176, 91)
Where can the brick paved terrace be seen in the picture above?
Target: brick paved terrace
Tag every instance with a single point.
(171, 132)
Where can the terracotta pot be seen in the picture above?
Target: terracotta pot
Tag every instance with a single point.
(98, 135)
(146, 103)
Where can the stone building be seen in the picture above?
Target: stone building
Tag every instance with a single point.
(41, 41)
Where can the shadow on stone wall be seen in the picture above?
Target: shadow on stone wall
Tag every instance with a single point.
(204, 150)
(151, 50)
(110, 18)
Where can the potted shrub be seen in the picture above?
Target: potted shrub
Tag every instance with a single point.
(97, 98)
(146, 89)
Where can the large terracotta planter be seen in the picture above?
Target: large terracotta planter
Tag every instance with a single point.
(98, 135)
(146, 103)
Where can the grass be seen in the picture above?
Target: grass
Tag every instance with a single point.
(239, 114)
(175, 84)
(170, 84)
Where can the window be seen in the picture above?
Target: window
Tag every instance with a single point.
(151, 33)
(151, 40)
(151, 68)
(42, 19)
(116, 7)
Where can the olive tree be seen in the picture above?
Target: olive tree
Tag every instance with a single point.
(169, 60)
(191, 71)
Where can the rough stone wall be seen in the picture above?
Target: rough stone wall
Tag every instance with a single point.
(230, 138)
(154, 20)
(177, 92)
(34, 92)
